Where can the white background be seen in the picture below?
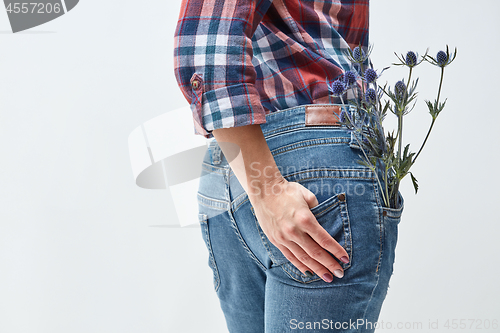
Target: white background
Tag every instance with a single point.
(83, 249)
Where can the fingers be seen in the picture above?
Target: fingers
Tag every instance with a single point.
(293, 259)
(306, 246)
(322, 239)
(292, 228)
(319, 262)
(309, 197)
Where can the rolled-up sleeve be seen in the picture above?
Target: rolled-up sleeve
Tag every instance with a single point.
(213, 62)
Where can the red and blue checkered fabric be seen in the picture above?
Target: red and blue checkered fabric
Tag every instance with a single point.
(238, 60)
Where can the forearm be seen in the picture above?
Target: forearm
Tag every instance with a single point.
(250, 159)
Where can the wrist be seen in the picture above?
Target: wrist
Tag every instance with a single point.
(263, 188)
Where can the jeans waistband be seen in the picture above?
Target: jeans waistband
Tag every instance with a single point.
(295, 117)
(286, 120)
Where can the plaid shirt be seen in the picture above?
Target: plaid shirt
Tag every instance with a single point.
(238, 60)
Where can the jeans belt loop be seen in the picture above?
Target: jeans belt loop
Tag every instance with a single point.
(216, 153)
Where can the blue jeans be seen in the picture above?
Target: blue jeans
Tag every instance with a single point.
(258, 288)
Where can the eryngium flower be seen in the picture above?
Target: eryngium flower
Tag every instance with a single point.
(400, 89)
(358, 54)
(349, 78)
(370, 96)
(370, 75)
(337, 88)
(441, 58)
(344, 116)
(411, 59)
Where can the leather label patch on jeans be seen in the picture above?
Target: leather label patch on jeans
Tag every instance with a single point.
(322, 115)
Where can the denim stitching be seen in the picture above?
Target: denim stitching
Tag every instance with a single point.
(204, 223)
(346, 224)
(271, 133)
(235, 226)
(212, 168)
(309, 143)
(318, 214)
(263, 238)
(211, 203)
(381, 225)
(332, 173)
(297, 127)
(293, 273)
(239, 205)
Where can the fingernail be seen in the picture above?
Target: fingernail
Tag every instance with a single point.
(328, 277)
(309, 274)
(344, 259)
(338, 273)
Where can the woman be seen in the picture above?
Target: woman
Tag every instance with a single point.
(295, 228)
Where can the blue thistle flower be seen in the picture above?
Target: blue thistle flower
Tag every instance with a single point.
(350, 78)
(441, 58)
(411, 59)
(370, 75)
(337, 88)
(344, 116)
(400, 89)
(358, 54)
(371, 96)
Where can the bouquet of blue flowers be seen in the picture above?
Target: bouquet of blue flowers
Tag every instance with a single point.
(383, 152)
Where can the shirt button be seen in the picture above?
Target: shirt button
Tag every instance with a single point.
(195, 84)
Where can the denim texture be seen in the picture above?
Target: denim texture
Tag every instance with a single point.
(258, 288)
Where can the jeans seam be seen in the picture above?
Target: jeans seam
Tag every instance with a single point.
(262, 238)
(371, 295)
(235, 226)
(381, 226)
(206, 234)
(346, 225)
(306, 144)
(369, 174)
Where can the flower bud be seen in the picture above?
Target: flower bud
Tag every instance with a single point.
(441, 58)
(337, 88)
(400, 89)
(411, 59)
(349, 78)
(370, 75)
(370, 96)
(358, 54)
(344, 116)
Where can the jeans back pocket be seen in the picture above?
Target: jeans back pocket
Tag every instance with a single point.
(332, 215)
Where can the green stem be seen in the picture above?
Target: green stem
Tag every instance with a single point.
(386, 180)
(440, 85)
(362, 150)
(425, 140)
(400, 134)
(409, 77)
(362, 82)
